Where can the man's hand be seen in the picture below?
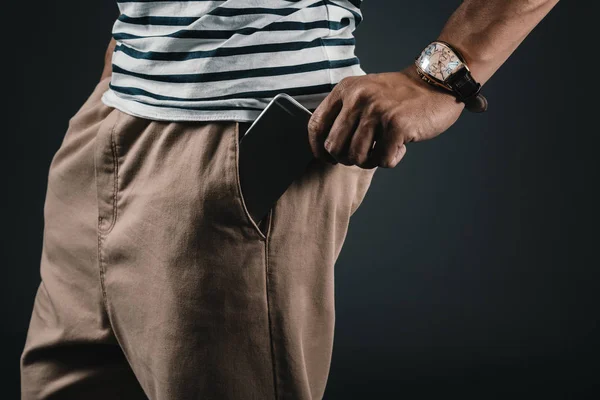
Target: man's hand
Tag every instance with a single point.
(392, 109)
(367, 120)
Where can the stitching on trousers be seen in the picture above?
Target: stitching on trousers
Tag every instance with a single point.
(237, 183)
(102, 272)
(115, 155)
(101, 236)
(266, 239)
(267, 269)
(100, 218)
(266, 236)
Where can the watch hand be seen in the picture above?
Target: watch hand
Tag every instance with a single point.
(441, 68)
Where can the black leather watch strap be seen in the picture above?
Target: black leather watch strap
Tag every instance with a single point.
(476, 103)
(467, 90)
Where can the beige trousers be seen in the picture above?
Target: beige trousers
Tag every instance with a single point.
(157, 284)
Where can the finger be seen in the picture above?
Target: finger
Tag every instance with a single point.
(376, 151)
(362, 142)
(399, 155)
(321, 121)
(388, 150)
(392, 153)
(338, 140)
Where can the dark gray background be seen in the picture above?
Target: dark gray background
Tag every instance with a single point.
(470, 269)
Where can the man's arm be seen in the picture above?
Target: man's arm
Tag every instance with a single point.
(396, 108)
(487, 32)
(107, 71)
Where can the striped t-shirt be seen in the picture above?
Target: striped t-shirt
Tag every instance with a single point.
(199, 60)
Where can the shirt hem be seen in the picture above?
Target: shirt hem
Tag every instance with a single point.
(149, 112)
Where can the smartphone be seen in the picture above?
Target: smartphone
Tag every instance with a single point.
(273, 153)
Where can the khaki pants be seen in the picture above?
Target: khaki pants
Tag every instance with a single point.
(157, 284)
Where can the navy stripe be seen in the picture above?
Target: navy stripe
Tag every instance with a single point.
(219, 11)
(294, 91)
(234, 12)
(232, 51)
(243, 74)
(165, 21)
(225, 34)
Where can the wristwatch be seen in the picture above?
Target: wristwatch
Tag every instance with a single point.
(442, 65)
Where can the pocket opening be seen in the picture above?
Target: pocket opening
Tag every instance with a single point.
(262, 227)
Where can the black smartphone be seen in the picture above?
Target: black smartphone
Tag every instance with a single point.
(273, 152)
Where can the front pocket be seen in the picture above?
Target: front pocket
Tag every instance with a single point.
(262, 228)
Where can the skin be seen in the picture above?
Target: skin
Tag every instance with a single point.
(368, 120)
(107, 71)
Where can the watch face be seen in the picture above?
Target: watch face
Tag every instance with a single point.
(439, 61)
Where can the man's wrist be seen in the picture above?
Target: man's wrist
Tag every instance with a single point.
(476, 59)
(440, 64)
(411, 72)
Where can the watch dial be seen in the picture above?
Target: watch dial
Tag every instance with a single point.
(439, 61)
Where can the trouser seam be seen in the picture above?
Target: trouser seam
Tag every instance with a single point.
(115, 155)
(269, 319)
(102, 273)
(115, 161)
(116, 174)
(103, 232)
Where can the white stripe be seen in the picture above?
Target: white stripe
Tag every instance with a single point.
(339, 73)
(169, 8)
(219, 23)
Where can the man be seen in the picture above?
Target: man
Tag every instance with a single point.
(156, 282)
